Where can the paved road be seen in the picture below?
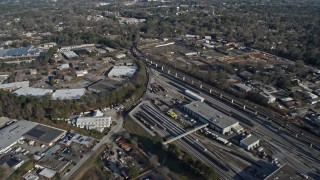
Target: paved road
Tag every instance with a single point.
(105, 140)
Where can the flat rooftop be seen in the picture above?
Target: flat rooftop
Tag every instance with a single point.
(23, 51)
(122, 71)
(53, 162)
(250, 140)
(210, 114)
(14, 85)
(29, 91)
(43, 134)
(284, 172)
(70, 54)
(14, 132)
(84, 140)
(68, 94)
(94, 120)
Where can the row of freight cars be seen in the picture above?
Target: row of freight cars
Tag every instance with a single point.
(194, 95)
(210, 134)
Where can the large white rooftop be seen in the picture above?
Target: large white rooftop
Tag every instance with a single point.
(68, 94)
(118, 71)
(29, 91)
(94, 121)
(12, 133)
(48, 173)
(15, 85)
(211, 115)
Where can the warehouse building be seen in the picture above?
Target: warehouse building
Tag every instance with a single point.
(68, 94)
(206, 114)
(14, 86)
(44, 135)
(249, 142)
(122, 71)
(29, 91)
(70, 55)
(16, 52)
(11, 133)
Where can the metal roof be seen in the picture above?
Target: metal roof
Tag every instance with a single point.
(210, 114)
(68, 94)
(12, 133)
(18, 51)
(29, 91)
(70, 54)
(122, 71)
(48, 173)
(94, 121)
(14, 85)
(43, 134)
(249, 140)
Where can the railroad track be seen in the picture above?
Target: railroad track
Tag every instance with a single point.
(190, 144)
(275, 117)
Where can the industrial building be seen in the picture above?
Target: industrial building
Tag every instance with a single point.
(29, 91)
(14, 86)
(69, 48)
(285, 172)
(44, 135)
(12, 132)
(122, 71)
(70, 55)
(268, 98)
(47, 173)
(206, 114)
(52, 162)
(242, 87)
(16, 52)
(68, 94)
(249, 142)
(97, 123)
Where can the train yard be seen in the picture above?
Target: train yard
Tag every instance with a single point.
(282, 140)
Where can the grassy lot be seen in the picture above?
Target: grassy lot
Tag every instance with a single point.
(148, 142)
(3, 172)
(21, 171)
(92, 169)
